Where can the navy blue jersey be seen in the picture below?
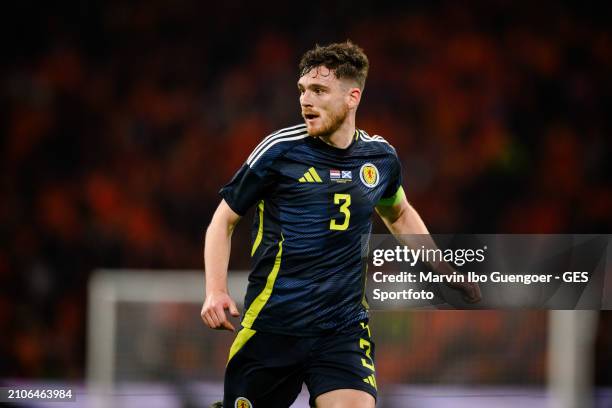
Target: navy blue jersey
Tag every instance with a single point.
(314, 203)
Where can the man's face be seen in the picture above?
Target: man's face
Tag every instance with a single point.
(324, 100)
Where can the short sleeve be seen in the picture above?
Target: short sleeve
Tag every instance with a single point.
(250, 184)
(245, 189)
(395, 179)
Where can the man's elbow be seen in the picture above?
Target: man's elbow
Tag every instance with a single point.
(220, 224)
(400, 214)
(224, 219)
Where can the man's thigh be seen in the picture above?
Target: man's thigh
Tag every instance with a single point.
(345, 399)
(264, 370)
(341, 367)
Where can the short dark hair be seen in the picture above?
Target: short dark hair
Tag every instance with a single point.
(346, 59)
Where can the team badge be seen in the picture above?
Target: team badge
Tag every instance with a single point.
(242, 402)
(369, 175)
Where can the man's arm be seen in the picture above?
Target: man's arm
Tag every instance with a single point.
(405, 223)
(217, 248)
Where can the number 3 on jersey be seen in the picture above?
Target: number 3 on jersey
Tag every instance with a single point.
(345, 201)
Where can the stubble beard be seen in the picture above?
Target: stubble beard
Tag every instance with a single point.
(333, 123)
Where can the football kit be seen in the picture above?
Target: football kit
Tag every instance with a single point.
(306, 313)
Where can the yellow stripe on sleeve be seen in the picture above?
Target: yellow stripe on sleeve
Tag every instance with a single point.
(260, 208)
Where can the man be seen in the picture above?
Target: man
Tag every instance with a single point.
(315, 187)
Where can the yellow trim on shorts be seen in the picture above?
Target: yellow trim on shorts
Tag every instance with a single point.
(243, 336)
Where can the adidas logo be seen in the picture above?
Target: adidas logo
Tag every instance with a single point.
(370, 380)
(310, 176)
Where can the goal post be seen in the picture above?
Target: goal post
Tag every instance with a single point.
(146, 343)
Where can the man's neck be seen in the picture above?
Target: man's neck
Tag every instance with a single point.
(342, 137)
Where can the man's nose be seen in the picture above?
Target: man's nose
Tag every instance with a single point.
(305, 99)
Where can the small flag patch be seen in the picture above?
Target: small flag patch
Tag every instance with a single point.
(339, 176)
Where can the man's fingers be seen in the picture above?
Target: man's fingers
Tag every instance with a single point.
(214, 315)
(469, 291)
(214, 318)
(233, 309)
(221, 316)
(213, 325)
(478, 293)
(204, 317)
(224, 323)
(474, 294)
(227, 325)
(208, 320)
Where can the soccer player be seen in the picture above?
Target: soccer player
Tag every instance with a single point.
(315, 186)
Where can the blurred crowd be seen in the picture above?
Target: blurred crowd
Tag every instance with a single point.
(122, 120)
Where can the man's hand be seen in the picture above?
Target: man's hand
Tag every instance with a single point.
(213, 311)
(470, 290)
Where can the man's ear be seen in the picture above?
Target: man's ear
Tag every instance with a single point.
(353, 97)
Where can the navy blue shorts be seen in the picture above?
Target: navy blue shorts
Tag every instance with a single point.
(268, 370)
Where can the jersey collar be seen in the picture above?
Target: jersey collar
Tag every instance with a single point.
(319, 144)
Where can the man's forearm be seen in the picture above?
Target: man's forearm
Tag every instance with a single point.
(410, 230)
(217, 249)
(408, 222)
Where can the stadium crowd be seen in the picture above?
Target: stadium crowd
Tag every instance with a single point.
(122, 120)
